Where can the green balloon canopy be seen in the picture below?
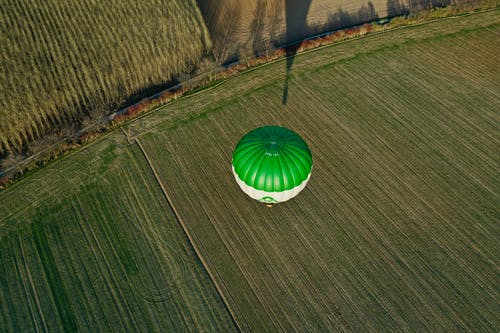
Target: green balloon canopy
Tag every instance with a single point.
(272, 164)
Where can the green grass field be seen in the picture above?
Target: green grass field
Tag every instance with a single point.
(397, 229)
(95, 248)
(62, 63)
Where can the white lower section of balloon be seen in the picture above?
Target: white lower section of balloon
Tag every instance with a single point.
(277, 196)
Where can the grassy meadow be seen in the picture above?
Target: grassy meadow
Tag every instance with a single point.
(396, 231)
(74, 62)
(90, 245)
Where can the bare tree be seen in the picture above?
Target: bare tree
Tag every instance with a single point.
(274, 22)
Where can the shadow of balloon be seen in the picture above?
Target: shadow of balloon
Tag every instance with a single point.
(296, 27)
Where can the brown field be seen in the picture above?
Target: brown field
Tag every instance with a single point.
(239, 27)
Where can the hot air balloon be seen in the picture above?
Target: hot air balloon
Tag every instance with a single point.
(272, 164)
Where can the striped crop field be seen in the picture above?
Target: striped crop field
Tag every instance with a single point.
(397, 230)
(62, 63)
(89, 245)
(398, 226)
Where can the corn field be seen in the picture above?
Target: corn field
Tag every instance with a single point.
(64, 61)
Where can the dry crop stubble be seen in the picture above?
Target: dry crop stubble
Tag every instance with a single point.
(62, 62)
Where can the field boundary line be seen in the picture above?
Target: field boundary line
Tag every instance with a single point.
(188, 235)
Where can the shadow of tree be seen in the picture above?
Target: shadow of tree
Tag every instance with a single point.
(296, 28)
(396, 8)
(417, 5)
(257, 28)
(222, 19)
(341, 19)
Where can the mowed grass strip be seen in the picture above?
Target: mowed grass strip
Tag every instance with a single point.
(99, 250)
(397, 229)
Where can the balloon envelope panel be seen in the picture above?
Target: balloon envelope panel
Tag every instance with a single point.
(272, 164)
